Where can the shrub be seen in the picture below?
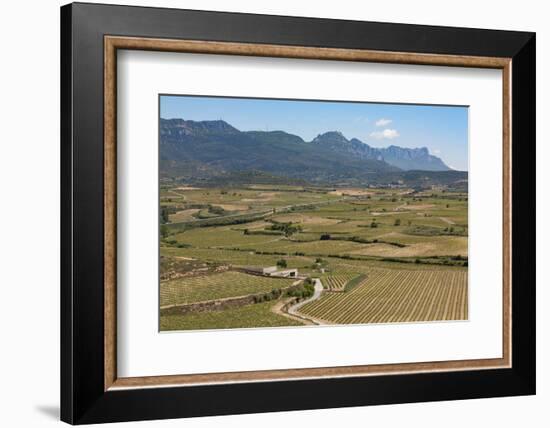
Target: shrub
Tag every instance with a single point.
(304, 290)
(216, 210)
(275, 293)
(288, 228)
(281, 263)
(397, 222)
(164, 215)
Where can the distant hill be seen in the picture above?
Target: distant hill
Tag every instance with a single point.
(403, 158)
(207, 150)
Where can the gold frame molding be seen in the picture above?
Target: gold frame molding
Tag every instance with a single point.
(113, 43)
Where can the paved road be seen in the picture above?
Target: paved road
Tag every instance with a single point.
(316, 294)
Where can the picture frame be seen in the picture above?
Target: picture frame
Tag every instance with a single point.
(91, 390)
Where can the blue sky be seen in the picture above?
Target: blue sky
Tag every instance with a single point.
(442, 129)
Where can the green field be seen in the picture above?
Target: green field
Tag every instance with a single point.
(244, 317)
(216, 286)
(416, 240)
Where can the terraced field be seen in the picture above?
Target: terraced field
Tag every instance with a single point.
(216, 286)
(396, 296)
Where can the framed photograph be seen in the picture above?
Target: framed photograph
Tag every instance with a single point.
(266, 213)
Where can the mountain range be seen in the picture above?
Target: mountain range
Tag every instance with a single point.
(206, 149)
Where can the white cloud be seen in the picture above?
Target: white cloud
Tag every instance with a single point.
(386, 133)
(383, 122)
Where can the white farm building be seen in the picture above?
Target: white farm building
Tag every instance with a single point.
(272, 271)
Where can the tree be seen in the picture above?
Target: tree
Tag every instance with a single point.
(287, 228)
(282, 263)
(397, 222)
(324, 237)
(164, 231)
(164, 215)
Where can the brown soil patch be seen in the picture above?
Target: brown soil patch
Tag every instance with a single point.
(305, 219)
(417, 207)
(187, 188)
(455, 247)
(183, 215)
(385, 213)
(351, 192)
(232, 207)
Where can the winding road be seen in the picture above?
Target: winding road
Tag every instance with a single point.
(318, 290)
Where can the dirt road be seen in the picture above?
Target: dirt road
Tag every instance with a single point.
(318, 290)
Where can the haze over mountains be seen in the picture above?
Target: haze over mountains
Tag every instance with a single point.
(403, 158)
(206, 149)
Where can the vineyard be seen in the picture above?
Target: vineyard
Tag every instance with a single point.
(396, 296)
(382, 255)
(243, 317)
(216, 286)
(338, 282)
